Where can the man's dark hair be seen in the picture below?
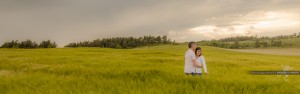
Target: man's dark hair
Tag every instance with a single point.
(191, 43)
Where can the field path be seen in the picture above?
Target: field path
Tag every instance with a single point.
(283, 51)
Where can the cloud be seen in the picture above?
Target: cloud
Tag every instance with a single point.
(262, 23)
(66, 21)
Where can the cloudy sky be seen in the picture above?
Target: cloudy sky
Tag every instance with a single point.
(65, 21)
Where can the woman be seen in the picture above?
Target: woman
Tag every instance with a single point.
(200, 60)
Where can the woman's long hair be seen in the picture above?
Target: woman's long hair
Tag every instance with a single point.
(198, 48)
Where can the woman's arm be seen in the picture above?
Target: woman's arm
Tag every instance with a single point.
(204, 64)
(195, 63)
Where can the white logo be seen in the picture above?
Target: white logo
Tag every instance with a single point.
(285, 68)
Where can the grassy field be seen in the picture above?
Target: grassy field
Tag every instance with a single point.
(143, 70)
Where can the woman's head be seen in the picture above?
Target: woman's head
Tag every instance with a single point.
(198, 51)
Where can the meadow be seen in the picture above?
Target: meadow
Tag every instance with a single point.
(144, 70)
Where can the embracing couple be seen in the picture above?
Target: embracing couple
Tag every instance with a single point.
(194, 60)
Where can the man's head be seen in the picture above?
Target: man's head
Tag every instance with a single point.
(192, 45)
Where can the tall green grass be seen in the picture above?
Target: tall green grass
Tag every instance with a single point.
(143, 70)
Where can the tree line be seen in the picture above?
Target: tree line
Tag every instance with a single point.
(117, 42)
(123, 42)
(241, 42)
(245, 38)
(29, 44)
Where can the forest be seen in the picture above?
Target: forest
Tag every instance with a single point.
(117, 42)
(29, 44)
(123, 42)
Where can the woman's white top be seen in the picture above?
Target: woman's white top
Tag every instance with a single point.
(201, 60)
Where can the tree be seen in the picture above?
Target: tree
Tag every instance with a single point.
(257, 44)
(72, 45)
(28, 44)
(158, 39)
(47, 44)
(236, 44)
(164, 39)
(265, 44)
(294, 35)
(278, 43)
(12, 44)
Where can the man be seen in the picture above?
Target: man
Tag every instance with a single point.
(190, 59)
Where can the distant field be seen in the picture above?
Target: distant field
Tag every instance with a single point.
(273, 51)
(146, 70)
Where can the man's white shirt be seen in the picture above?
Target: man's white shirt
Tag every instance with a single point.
(189, 57)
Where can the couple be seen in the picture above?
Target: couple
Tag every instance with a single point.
(194, 60)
